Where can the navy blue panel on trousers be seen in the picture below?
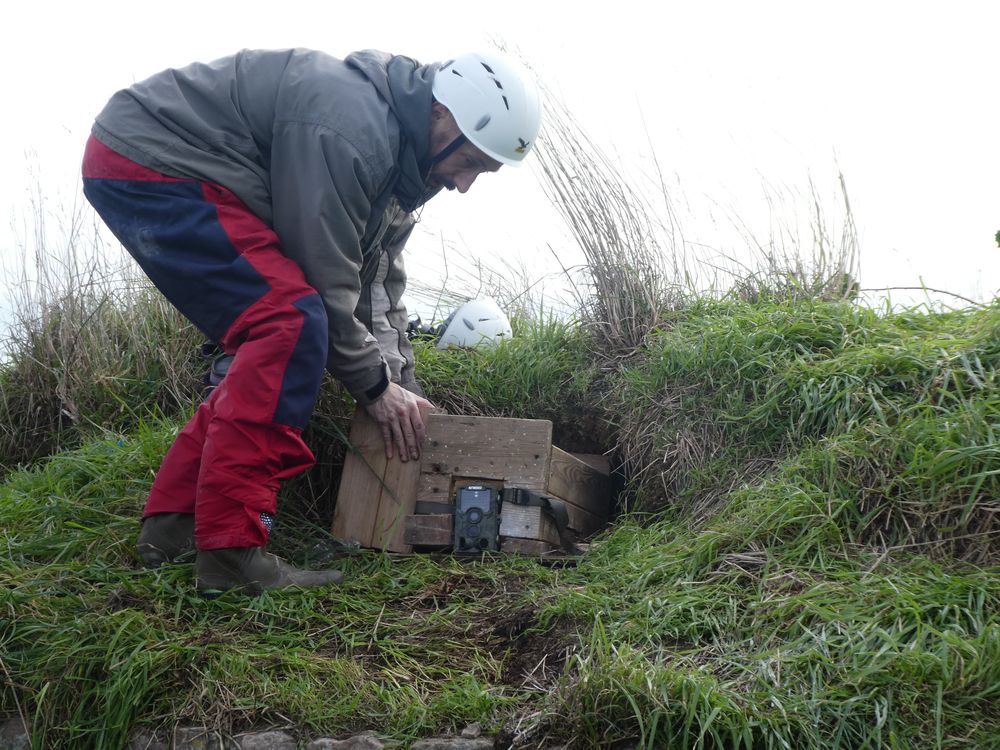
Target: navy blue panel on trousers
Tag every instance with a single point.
(304, 373)
(175, 236)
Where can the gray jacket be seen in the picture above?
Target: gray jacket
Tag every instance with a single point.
(329, 152)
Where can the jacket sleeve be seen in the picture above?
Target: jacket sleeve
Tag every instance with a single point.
(321, 188)
(382, 310)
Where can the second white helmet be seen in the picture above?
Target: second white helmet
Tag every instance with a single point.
(477, 323)
(494, 101)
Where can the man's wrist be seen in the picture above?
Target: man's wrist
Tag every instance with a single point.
(375, 392)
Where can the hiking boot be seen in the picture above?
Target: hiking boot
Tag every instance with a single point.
(251, 571)
(165, 537)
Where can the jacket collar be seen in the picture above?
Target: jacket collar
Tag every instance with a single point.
(405, 85)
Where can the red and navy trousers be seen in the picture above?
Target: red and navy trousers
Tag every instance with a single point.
(223, 268)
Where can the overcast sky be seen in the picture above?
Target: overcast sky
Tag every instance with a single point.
(901, 97)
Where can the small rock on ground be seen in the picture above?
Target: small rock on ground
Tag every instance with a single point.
(274, 740)
(454, 743)
(146, 740)
(197, 738)
(13, 736)
(359, 742)
(472, 731)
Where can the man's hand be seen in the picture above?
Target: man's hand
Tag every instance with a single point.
(397, 412)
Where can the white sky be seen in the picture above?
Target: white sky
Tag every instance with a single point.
(902, 97)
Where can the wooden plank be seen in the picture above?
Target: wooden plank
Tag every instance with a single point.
(513, 450)
(578, 483)
(361, 483)
(530, 522)
(441, 488)
(531, 547)
(597, 461)
(581, 521)
(375, 493)
(436, 487)
(429, 530)
(398, 498)
(527, 522)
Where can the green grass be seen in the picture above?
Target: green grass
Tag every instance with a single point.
(746, 648)
(809, 561)
(94, 643)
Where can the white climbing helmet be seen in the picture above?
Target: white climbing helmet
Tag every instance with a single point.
(494, 101)
(480, 322)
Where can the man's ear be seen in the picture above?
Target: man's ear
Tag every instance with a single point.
(439, 111)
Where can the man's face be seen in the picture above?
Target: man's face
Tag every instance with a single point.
(461, 168)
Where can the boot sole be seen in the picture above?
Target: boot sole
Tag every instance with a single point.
(152, 557)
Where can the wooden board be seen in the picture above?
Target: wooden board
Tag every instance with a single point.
(396, 502)
(376, 494)
(578, 483)
(527, 522)
(582, 521)
(531, 522)
(436, 487)
(513, 450)
(360, 484)
(597, 461)
(531, 547)
(429, 530)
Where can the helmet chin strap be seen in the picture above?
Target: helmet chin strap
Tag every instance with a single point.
(425, 170)
(444, 153)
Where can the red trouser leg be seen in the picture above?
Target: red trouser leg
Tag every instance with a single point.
(246, 453)
(176, 484)
(222, 267)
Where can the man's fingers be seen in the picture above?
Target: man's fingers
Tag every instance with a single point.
(403, 429)
(420, 430)
(408, 448)
(412, 441)
(416, 423)
(400, 439)
(387, 439)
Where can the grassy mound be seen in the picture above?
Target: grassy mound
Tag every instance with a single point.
(891, 418)
(807, 559)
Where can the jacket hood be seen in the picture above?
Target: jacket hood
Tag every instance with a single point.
(406, 86)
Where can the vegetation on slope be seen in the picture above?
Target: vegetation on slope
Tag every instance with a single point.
(809, 562)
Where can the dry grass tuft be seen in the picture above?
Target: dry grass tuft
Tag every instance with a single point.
(630, 283)
(91, 346)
